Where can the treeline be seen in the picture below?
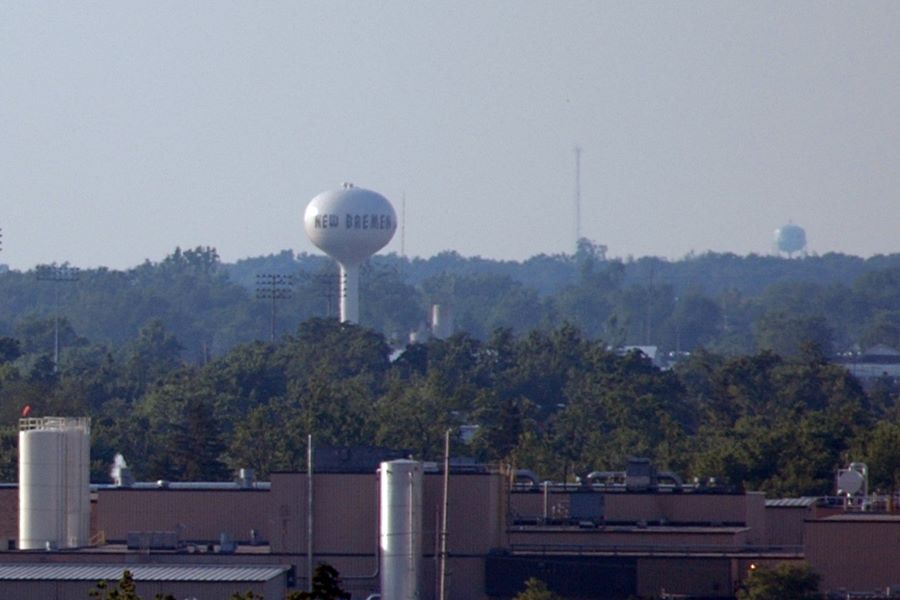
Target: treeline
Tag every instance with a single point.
(176, 363)
(554, 401)
(729, 304)
(723, 303)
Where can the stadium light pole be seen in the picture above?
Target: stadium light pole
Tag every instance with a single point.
(274, 287)
(56, 274)
(327, 284)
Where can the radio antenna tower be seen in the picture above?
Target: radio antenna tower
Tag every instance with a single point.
(577, 194)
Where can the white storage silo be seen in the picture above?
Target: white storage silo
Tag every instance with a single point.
(78, 485)
(54, 491)
(401, 529)
(41, 488)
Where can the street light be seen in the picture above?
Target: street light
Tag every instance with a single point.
(56, 274)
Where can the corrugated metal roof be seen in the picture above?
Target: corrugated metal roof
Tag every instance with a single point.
(97, 572)
(791, 502)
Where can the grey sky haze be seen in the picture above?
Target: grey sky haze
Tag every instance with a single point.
(129, 128)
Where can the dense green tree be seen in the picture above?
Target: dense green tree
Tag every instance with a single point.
(696, 321)
(621, 407)
(531, 364)
(786, 581)
(10, 349)
(272, 437)
(155, 353)
(881, 450)
(883, 327)
(124, 589)
(9, 454)
(780, 426)
(545, 362)
(37, 335)
(879, 289)
(413, 416)
(209, 307)
(535, 589)
(483, 302)
(501, 423)
(392, 306)
(326, 585)
(642, 311)
(786, 334)
(336, 350)
(195, 445)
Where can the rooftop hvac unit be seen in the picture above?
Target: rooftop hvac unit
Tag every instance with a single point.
(640, 475)
(152, 540)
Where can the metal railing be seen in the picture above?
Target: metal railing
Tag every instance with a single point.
(651, 549)
(55, 423)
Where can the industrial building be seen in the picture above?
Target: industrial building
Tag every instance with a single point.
(378, 519)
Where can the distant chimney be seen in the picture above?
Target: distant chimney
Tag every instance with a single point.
(441, 321)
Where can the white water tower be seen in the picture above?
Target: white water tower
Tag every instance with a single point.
(350, 225)
(790, 239)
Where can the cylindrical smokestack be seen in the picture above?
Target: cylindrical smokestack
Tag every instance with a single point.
(441, 321)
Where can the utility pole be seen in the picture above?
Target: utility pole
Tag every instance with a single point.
(56, 274)
(310, 529)
(577, 195)
(274, 287)
(442, 593)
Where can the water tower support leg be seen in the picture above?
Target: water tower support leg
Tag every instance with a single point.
(349, 293)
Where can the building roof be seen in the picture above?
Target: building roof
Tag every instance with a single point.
(882, 350)
(99, 572)
(861, 516)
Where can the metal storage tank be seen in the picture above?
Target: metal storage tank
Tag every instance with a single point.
(78, 484)
(401, 529)
(41, 468)
(54, 491)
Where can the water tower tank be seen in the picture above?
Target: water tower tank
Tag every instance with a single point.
(790, 238)
(350, 224)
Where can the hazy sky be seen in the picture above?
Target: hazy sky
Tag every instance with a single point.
(128, 128)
